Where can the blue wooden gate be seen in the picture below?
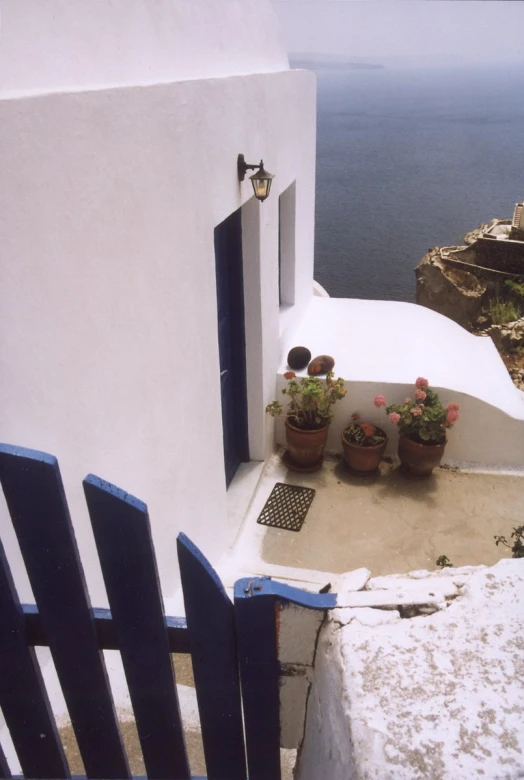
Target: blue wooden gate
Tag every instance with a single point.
(233, 647)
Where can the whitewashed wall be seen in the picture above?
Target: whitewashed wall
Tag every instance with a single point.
(383, 346)
(108, 315)
(73, 44)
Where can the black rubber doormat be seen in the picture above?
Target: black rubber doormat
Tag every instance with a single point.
(287, 507)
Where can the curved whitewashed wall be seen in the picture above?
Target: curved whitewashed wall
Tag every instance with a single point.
(383, 346)
(108, 317)
(59, 45)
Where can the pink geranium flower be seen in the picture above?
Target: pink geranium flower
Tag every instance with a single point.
(416, 411)
(421, 383)
(453, 407)
(452, 416)
(407, 400)
(420, 395)
(379, 401)
(394, 417)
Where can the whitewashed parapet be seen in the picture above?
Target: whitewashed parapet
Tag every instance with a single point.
(417, 592)
(434, 696)
(360, 599)
(458, 575)
(368, 601)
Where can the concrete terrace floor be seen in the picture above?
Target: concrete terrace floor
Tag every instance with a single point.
(388, 523)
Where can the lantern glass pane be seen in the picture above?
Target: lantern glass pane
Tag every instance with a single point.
(260, 188)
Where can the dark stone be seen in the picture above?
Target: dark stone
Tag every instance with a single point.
(483, 322)
(298, 358)
(321, 365)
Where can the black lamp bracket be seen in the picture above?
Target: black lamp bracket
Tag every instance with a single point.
(243, 167)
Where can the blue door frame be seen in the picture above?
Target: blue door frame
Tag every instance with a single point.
(231, 341)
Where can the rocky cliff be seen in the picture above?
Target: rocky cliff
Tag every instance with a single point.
(455, 281)
(451, 289)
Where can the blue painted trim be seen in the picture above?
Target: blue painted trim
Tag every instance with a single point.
(36, 501)
(257, 587)
(115, 492)
(210, 617)
(193, 550)
(23, 696)
(255, 621)
(24, 452)
(124, 543)
(256, 601)
(229, 275)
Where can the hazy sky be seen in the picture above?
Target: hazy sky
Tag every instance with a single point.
(476, 31)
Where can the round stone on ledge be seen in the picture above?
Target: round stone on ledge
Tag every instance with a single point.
(298, 358)
(321, 365)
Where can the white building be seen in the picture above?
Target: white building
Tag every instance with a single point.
(121, 123)
(120, 127)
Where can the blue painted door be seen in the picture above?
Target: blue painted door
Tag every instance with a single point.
(231, 341)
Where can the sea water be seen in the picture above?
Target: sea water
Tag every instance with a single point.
(407, 160)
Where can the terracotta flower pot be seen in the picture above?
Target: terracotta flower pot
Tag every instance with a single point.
(305, 449)
(365, 460)
(419, 459)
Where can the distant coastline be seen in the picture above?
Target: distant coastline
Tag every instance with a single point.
(331, 62)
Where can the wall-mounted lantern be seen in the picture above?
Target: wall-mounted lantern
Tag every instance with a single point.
(261, 180)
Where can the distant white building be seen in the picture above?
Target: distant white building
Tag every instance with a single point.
(148, 300)
(518, 217)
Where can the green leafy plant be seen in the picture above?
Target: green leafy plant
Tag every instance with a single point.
(423, 419)
(517, 546)
(310, 400)
(503, 311)
(515, 287)
(363, 434)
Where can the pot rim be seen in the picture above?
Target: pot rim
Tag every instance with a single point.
(304, 430)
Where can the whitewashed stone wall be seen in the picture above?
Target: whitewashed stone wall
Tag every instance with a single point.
(437, 696)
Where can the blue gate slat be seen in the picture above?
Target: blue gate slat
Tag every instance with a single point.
(5, 773)
(123, 537)
(23, 697)
(259, 673)
(35, 497)
(210, 619)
